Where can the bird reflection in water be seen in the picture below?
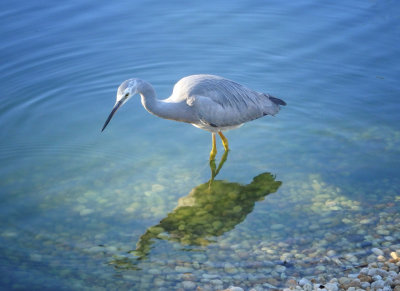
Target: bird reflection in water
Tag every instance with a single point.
(210, 210)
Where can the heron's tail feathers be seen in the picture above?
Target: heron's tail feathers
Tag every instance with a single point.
(277, 101)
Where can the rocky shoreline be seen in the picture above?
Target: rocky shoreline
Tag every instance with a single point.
(382, 274)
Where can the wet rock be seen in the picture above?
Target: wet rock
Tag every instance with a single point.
(346, 282)
(273, 281)
(365, 285)
(292, 283)
(210, 276)
(286, 257)
(269, 286)
(376, 278)
(365, 278)
(234, 288)
(331, 253)
(196, 265)
(381, 272)
(188, 285)
(383, 232)
(187, 277)
(230, 269)
(304, 281)
(216, 282)
(394, 255)
(378, 284)
(337, 261)
(377, 251)
(381, 258)
(351, 258)
(159, 282)
(280, 268)
(320, 269)
(366, 221)
(182, 269)
(332, 287)
(372, 272)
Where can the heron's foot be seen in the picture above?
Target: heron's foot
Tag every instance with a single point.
(224, 141)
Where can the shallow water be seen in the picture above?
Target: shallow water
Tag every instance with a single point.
(133, 207)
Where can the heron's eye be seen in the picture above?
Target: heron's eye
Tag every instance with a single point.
(126, 95)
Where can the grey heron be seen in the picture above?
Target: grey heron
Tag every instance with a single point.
(208, 102)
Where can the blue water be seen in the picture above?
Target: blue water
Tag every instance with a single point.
(75, 202)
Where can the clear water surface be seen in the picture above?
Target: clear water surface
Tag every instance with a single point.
(307, 193)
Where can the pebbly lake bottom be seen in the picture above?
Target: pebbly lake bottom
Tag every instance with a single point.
(262, 234)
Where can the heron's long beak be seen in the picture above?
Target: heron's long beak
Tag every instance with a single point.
(116, 106)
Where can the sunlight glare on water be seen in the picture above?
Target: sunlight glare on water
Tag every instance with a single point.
(132, 207)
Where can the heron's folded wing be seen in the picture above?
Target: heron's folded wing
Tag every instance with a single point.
(221, 102)
(226, 111)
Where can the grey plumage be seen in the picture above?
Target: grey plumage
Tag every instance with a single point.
(209, 102)
(222, 103)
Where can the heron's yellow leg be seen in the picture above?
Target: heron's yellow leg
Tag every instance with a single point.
(214, 147)
(224, 141)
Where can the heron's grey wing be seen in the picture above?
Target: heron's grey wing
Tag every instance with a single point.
(225, 103)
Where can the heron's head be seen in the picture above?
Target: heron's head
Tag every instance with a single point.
(125, 91)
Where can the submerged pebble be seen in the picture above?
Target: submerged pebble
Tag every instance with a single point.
(188, 285)
(377, 251)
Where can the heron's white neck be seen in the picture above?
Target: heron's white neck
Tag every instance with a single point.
(163, 108)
